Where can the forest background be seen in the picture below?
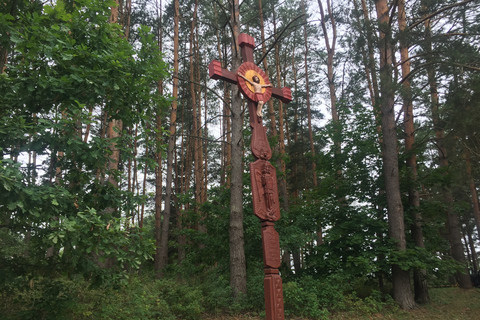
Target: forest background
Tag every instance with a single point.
(123, 186)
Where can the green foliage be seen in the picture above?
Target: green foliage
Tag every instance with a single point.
(140, 298)
(41, 299)
(69, 69)
(319, 298)
(86, 239)
(301, 302)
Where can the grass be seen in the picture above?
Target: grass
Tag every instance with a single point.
(446, 304)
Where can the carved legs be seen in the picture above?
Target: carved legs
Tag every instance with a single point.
(259, 110)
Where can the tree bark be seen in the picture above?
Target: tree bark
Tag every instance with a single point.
(158, 153)
(294, 184)
(473, 189)
(458, 254)
(282, 183)
(171, 146)
(196, 122)
(402, 292)
(307, 88)
(471, 244)
(271, 110)
(238, 270)
(422, 295)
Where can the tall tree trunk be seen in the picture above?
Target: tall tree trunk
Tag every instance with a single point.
(402, 292)
(330, 55)
(333, 98)
(198, 164)
(452, 219)
(205, 148)
(225, 120)
(368, 57)
(158, 153)
(307, 88)
(471, 244)
(370, 68)
(473, 189)
(271, 110)
(115, 126)
(282, 183)
(238, 269)
(419, 275)
(295, 187)
(331, 84)
(171, 146)
(179, 188)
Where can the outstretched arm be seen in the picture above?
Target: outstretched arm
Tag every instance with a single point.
(267, 85)
(246, 79)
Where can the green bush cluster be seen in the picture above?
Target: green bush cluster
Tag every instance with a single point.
(170, 298)
(318, 298)
(141, 298)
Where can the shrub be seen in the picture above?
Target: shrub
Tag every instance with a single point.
(302, 302)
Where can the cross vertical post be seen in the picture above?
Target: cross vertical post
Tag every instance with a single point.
(256, 87)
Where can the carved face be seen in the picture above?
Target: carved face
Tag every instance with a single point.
(256, 79)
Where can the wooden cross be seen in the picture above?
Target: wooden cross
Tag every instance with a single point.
(263, 176)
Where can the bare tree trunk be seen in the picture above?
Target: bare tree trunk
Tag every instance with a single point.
(333, 98)
(158, 153)
(422, 295)
(198, 164)
(473, 189)
(369, 58)
(180, 181)
(307, 88)
(296, 126)
(471, 244)
(225, 120)
(330, 55)
(205, 147)
(144, 183)
(271, 110)
(452, 219)
(238, 269)
(282, 183)
(402, 292)
(114, 12)
(115, 126)
(171, 146)
(372, 83)
(128, 8)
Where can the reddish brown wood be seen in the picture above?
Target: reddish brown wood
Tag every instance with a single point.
(216, 72)
(263, 175)
(260, 146)
(273, 295)
(242, 84)
(264, 190)
(247, 44)
(284, 94)
(271, 246)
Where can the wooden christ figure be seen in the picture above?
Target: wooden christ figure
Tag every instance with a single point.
(257, 88)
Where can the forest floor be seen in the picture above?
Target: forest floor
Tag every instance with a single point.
(446, 304)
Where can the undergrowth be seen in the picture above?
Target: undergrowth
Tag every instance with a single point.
(200, 297)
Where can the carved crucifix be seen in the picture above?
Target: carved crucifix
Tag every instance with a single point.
(256, 87)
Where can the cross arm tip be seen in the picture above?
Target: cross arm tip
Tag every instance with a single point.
(215, 69)
(284, 94)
